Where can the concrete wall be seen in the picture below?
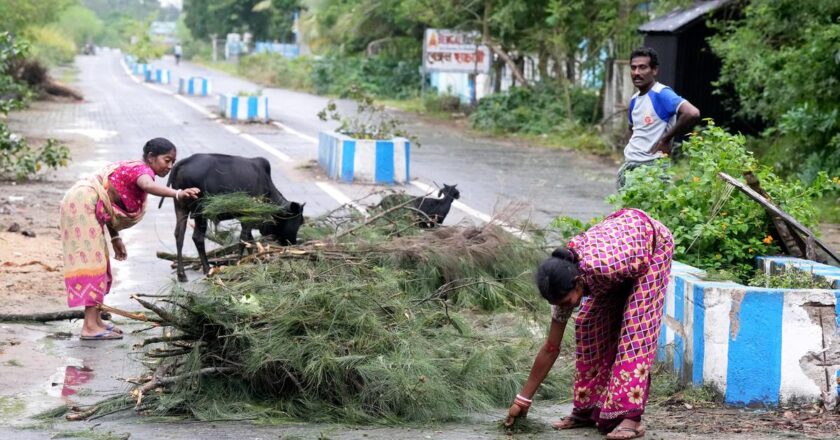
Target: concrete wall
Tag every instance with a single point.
(371, 161)
(194, 85)
(755, 345)
(244, 108)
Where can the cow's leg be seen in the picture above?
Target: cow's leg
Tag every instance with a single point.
(181, 216)
(245, 236)
(199, 233)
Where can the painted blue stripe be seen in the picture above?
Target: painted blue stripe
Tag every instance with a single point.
(234, 107)
(407, 161)
(679, 315)
(698, 348)
(204, 87)
(384, 162)
(148, 75)
(755, 353)
(348, 158)
(253, 102)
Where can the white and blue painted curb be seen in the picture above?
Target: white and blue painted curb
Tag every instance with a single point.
(362, 160)
(194, 85)
(244, 108)
(755, 345)
(159, 76)
(141, 69)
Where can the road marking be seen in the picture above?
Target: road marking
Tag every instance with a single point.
(230, 128)
(196, 107)
(339, 196)
(265, 146)
(295, 132)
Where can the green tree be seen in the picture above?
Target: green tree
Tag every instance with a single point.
(270, 20)
(80, 24)
(782, 61)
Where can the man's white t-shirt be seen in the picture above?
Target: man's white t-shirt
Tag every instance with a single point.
(650, 116)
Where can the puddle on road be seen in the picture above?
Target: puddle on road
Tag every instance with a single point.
(96, 134)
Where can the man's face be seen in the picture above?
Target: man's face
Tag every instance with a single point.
(642, 74)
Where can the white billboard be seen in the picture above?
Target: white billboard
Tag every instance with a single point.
(454, 51)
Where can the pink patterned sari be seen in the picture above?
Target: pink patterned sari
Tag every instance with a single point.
(85, 209)
(624, 262)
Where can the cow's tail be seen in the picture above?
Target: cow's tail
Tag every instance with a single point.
(168, 183)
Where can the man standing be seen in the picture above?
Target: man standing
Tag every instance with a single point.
(657, 115)
(177, 51)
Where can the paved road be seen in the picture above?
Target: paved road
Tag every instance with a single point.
(491, 173)
(120, 114)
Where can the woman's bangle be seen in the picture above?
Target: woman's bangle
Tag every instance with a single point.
(522, 401)
(115, 237)
(177, 194)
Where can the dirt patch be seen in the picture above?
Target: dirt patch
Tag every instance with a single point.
(813, 422)
(30, 246)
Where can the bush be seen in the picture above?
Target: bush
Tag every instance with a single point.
(380, 76)
(277, 70)
(539, 109)
(684, 198)
(446, 103)
(19, 160)
(50, 46)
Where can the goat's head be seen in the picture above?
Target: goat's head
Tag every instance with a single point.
(449, 191)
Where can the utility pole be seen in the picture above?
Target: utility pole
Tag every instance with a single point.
(213, 45)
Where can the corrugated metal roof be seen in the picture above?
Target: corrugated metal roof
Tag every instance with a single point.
(678, 18)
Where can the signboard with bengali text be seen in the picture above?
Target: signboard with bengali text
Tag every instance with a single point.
(455, 51)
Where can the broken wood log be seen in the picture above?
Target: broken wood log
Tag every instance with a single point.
(48, 316)
(769, 206)
(792, 244)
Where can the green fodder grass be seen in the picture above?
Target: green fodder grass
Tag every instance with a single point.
(370, 327)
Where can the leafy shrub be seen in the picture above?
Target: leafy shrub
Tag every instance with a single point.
(19, 160)
(15, 94)
(277, 70)
(446, 103)
(540, 109)
(146, 50)
(50, 46)
(383, 77)
(683, 197)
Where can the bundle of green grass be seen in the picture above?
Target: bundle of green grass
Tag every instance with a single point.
(367, 322)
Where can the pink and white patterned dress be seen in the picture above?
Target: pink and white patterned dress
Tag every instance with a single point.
(624, 263)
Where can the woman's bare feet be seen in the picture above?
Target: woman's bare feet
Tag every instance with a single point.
(627, 429)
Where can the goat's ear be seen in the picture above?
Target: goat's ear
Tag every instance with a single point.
(295, 208)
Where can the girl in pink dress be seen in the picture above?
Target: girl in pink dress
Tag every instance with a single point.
(113, 198)
(621, 267)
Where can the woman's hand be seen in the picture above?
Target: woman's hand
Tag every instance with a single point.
(189, 193)
(514, 413)
(119, 249)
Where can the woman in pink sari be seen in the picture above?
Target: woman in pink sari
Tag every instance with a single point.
(621, 267)
(113, 198)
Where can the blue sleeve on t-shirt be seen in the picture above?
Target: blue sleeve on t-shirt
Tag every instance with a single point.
(665, 103)
(630, 110)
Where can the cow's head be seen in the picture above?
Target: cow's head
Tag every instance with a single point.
(285, 226)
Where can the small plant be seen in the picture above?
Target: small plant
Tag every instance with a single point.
(20, 161)
(791, 278)
(370, 121)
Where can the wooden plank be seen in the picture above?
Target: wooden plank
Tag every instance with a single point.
(778, 211)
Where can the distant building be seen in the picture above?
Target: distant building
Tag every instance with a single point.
(164, 31)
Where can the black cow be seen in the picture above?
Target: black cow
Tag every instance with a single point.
(224, 174)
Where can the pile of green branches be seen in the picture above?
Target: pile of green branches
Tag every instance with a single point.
(370, 320)
(240, 206)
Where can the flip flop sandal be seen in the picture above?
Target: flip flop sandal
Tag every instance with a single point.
(104, 336)
(112, 328)
(637, 432)
(573, 423)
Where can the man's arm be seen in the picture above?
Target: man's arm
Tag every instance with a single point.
(687, 116)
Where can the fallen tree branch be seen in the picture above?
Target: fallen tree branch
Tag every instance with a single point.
(379, 216)
(47, 316)
(137, 316)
